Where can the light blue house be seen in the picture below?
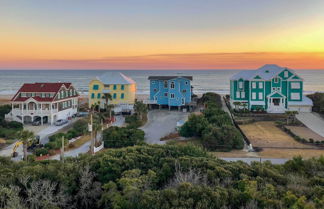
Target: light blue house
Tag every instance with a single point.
(173, 91)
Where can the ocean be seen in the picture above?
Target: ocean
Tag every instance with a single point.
(203, 80)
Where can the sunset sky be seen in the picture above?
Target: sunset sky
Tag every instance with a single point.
(161, 34)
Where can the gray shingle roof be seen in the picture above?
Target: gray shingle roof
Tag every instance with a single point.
(168, 77)
(115, 78)
(266, 72)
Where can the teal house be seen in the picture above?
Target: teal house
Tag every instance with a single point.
(271, 88)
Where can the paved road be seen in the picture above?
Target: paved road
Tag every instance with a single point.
(313, 121)
(250, 160)
(160, 123)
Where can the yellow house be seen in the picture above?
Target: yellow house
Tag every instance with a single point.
(121, 88)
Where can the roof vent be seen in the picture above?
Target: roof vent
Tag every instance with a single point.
(42, 85)
(267, 71)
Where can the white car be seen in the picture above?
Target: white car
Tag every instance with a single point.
(61, 122)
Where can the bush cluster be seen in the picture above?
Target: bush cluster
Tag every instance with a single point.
(8, 130)
(161, 177)
(214, 127)
(116, 137)
(79, 128)
(318, 102)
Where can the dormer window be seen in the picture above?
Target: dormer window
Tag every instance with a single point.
(286, 74)
(267, 71)
(240, 84)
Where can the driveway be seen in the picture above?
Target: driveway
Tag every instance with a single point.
(313, 121)
(160, 123)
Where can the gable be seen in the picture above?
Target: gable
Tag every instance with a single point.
(257, 77)
(295, 77)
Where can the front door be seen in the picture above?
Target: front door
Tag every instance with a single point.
(183, 101)
(276, 105)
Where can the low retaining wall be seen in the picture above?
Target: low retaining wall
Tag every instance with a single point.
(97, 149)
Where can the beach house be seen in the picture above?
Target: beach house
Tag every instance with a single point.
(170, 90)
(121, 88)
(46, 102)
(270, 88)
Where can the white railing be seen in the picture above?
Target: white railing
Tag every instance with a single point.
(150, 101)
(32, 112)
(97, 149)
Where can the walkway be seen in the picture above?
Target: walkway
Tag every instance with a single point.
(313, 121)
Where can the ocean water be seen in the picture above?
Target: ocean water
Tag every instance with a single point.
(203, 80)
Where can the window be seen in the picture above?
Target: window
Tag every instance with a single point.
(253, 95)
(276, 80)
(95, 87)
(253, 85)
(186, 82)
(260, 85)
(114, 95)
(153, 82)
(122, 95)
(172, 96)
(260, 95)
(242, 94)
(92, 95)
(165, 84)
(166, 94)
(240, 84)
(279, 89)
(115, 87)
(122, 87)
(98, 96)
(155, 90)
(184, 91)
(286, 74)
(238, 95)
(106, 85)
(172, 85)
(295, 96)
(295, 85)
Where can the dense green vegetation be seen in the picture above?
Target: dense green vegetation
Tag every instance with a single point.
(139, 118)
(214, 127)
(79, 128)
(8, 130)
(116, 137)
(318, 102)
(160, 177)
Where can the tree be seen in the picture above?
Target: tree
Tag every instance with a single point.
(194, 126)
(140, 109)
(107, 96)
(25, 136)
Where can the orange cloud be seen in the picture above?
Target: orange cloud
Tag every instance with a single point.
(243, 60)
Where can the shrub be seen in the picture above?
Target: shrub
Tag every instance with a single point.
(80, 127)
(194, 126)
(115, 137)
(41, 151)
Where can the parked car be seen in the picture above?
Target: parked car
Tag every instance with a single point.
(82, 114)
(38, 122)
(61, 122)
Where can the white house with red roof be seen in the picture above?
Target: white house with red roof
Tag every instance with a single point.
(45, 101)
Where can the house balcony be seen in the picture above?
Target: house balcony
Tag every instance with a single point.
(33, 112)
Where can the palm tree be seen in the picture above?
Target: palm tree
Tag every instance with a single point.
(25, 136)
(109, 107)
(140, 109)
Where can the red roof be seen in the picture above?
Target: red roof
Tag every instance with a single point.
(39, 88)
(43, 87)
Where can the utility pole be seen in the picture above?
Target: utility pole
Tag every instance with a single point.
(62, 150)
(91, 131)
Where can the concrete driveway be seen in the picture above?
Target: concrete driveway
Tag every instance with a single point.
(160, 123)
(313, 121)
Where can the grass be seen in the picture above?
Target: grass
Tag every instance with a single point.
(78, 143)
(267, 134)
